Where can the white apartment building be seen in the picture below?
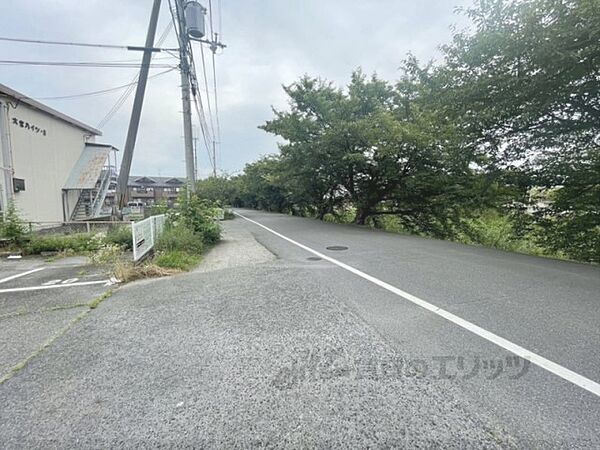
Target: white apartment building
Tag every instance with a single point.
(51, 167)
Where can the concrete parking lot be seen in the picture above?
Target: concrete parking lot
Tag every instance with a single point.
(39, 299)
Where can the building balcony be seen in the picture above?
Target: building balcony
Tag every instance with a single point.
(137, 194)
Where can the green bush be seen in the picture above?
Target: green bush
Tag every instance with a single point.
(198, 215)
(573, 236)
(342, 215)
(493, 229)
(211, 232)
(120, 236)
(178, 259)
(11, 226)
(490, 229)
(160, 208)
(179, 238)
(390, 223)
(108, 255)
(79, 243)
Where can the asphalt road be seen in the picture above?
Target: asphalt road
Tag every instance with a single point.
(294, 351)
(549, 307)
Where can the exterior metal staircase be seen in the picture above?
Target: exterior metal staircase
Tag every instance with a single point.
(90, 202)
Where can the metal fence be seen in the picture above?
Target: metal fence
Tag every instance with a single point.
(98, 226)
(145, 233)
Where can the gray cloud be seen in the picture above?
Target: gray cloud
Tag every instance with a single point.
(270, 43)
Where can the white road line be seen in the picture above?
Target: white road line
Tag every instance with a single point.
(556, 369)
(19, 275)
(55, 286)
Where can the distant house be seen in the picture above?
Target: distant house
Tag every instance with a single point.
(50, 165)
(150, 190)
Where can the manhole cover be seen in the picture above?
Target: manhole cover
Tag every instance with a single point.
(314, 258)
(337, 247)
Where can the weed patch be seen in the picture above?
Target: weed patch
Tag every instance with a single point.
(94, 303)
(178, 260)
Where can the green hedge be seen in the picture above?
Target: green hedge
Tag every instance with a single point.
(120, 236)
(179, 238)
(77, 242)
(80, 242)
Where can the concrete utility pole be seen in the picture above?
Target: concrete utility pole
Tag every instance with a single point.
(134, 122)
(185, 98)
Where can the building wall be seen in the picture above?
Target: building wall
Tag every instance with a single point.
(43, 155)
(155, 195)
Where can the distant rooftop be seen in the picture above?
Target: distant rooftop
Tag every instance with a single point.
(41, 107)
(145, 180)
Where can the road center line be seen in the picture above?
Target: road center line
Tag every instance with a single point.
(19, 275)
(54, 286)
(556, 369)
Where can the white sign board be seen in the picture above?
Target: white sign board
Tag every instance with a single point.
(159, 224)
(144, 233)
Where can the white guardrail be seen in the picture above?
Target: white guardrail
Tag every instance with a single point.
(144, 233)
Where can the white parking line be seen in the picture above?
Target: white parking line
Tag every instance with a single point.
(556, 369)
(19, 275)
(55, 286)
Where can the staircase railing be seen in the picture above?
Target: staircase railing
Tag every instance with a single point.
(80, 200)
(102, 191)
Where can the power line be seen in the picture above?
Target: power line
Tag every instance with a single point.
(203, 128)
(82, 64)
(208, 136)
(198, 104)
(115, 108)
(79, 44)
(201, 116)
(136, 112)
(164, 35)
(218, 138)
(212, 158)
(186, 81)
(103, 91)
(187, 53)
(123, 98)
(214, 37)
(220, 19)
(210, 114)
(210, 19)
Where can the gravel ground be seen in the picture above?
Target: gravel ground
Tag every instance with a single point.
(237, 248)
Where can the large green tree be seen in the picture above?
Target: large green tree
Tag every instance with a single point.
(513, 109)
(368, 147)
(524, 86)
(261, 186)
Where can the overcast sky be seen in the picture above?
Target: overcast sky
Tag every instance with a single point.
(269, 43)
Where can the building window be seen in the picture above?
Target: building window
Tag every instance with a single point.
(143, 189)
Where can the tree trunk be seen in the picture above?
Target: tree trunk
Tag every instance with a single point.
(362, 214)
